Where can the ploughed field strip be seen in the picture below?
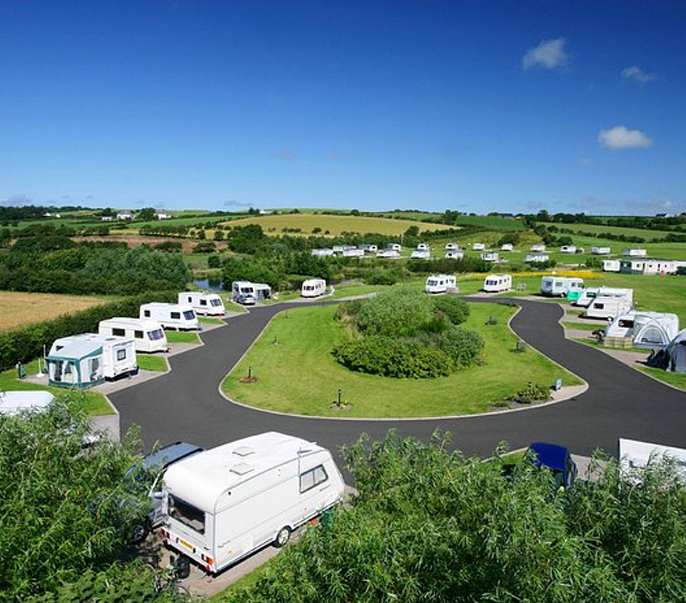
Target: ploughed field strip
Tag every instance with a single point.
(186, 404)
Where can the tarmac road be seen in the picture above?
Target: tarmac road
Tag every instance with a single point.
(185, 404)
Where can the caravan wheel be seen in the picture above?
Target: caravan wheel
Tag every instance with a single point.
(282, 537)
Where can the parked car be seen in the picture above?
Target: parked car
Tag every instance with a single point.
(150, 473)
(556, 458)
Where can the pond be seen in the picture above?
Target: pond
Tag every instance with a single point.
(212, 284)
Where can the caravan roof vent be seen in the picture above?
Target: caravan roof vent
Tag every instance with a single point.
(242, 468)
(244, 451)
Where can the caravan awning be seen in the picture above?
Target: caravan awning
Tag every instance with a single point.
(77, 350)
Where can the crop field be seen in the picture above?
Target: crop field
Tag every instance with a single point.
(333, 225)
(296, 372)
(18, 309)
(491, 222)
(616, 230)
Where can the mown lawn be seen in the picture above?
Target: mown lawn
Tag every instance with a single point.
(182, 337)
(296, 372)
(674, 379)
(148, 362)
(94, 403)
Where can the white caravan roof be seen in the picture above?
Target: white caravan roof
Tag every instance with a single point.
(204, 477)
(12, 403)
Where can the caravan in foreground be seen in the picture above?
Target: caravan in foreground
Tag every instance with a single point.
(496, 283)
(441, 283)
(225, 503)
(313, 287)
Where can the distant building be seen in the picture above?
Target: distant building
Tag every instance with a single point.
(125, 215)
(107, 219)
(162, 215)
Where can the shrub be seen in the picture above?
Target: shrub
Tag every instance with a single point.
(462, 346)
(379, 355)
(401, 312)
(455, 309)
(531, 393)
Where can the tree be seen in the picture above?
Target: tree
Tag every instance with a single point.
(147, 214)
(60, 503)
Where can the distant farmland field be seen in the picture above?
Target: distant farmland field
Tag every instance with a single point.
(335, 225)
(615, 230)
(18, 309)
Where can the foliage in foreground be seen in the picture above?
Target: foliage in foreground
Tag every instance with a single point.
(405, 333)
(61, 505)
(430, 525)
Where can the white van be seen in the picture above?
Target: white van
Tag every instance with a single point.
(441, 283)
(587, 297)
(608, 307)
(180, 317)
(313, 287)
(225, 503)
(147, 335)
(204, 304)
(560, 286)
(496, 283)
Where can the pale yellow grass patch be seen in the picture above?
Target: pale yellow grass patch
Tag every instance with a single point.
(18, 309)
(274, 224)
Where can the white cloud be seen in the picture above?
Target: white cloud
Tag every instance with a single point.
(620, 137)
(638, 75)
(549, 54)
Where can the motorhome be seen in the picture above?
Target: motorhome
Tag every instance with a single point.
(560, 286)
(247, 293)
(148, 335)
(589, 294)
(497, 283)
(478, 246)
(642, 329)
(223, 504)
(89, 358)
(441, 283)
(180, 317)
(313, 287)
(608, 307)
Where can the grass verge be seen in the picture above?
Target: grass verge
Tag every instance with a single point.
(94, 403)
(182, 337)
(147, 362)
(296, 372)
(677, 380)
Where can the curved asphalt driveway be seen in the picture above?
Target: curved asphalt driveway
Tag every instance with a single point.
(621, 402)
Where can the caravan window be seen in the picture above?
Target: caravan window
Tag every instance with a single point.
(146, 313)
(216, 302)
(176, 315)
(189, 315)
(155, 335)
(119, 332)
(121, 354)
(138, 334)
(187, 514)
(203, 302)
(626, 324)
(599, 306)
(312, 478)
(652, 335)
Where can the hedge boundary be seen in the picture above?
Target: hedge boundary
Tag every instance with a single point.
(26, 343)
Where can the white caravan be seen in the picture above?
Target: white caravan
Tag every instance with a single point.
(14, 403)
(507, 247)
(490, 256)
(538, 248)
(313, 287)
(147, 335)
(204, 304)
(441, 283)
(388, 253)
(634, 454)
(612, 265)
(421, 254)
(601, 250)
(643, 329)
(568, 249)
(118, 355)
(496, 283)
(394, 247)
(451, 246)
(560, 286)
(225, 503)
(634, 252)
(608, 307)
(455, 254)
(180, 317)
(536, 257)
(588, 295)
(478, 246)
(247, 293)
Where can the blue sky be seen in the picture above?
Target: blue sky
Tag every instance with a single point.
(476, 106)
